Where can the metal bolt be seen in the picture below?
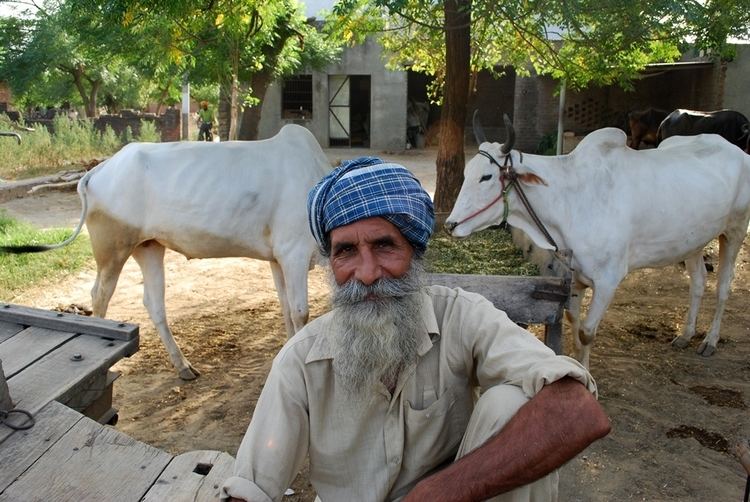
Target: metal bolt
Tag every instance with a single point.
(76, 357)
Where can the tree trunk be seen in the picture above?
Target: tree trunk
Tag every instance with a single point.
(93, 97)
(225, 111)
(250, 120)
(233, 108)
(450, 155)
(78, 76)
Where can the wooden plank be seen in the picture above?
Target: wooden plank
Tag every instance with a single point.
(30, 345)
(528, 300)
(62, 321)
(195, 475)
(6, 404)
(90, 462)
(59, 375)
(9, 329)
(23, 448)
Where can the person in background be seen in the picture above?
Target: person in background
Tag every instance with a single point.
(407, 391)
(205, 122)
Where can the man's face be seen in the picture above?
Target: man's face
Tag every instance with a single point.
(368, 250)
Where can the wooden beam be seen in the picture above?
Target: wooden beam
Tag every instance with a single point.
(62, 321)
(527, 300)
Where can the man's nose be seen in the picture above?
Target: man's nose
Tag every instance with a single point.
(369, 270)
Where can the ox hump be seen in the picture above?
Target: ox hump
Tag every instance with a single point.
(608, 138)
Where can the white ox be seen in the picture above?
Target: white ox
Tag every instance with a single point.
(204, 200)
(619, 210)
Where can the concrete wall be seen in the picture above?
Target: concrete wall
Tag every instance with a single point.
(736, 93)
(387, 100)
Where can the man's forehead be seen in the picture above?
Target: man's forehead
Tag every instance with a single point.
(366, 229)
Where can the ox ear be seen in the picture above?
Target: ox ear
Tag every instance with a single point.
(478, 130)
(531, 179)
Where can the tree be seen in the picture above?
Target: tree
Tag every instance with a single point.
(59, 55)
(581, 43)
(239, 44)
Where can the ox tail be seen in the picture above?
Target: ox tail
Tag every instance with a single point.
(38, 248)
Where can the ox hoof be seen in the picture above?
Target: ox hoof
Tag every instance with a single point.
(189, 373)
(681, 342)
(706, 350)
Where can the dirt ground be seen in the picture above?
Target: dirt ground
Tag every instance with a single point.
(674, 414)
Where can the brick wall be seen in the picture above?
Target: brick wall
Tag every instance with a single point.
(535, 111)
(493, 98)
(536, 105)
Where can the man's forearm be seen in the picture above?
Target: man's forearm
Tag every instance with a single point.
(553, 427)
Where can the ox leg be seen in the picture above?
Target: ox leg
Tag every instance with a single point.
(696, 270)
(729, 248)
(278, 280)
(600, 299)
(109, 262)
(291, 284)
(150, 257)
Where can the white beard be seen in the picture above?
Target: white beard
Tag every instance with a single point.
(376, 337)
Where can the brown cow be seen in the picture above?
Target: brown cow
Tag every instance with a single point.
(644, 125)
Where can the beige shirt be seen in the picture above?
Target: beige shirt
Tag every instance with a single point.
(377, 449)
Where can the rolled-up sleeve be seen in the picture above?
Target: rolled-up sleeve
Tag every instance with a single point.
(244, 489)
(276, 442)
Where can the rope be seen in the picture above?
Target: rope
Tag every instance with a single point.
(27, 424)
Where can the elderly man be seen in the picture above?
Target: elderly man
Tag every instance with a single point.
(382, 392)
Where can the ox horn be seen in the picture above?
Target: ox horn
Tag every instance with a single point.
(510, 135)
(478, 131)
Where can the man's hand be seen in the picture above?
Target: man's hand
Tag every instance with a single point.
(553, 427)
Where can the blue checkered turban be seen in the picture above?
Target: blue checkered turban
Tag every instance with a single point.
(366, 187)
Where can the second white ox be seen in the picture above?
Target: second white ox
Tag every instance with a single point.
(204, 200)
(617, 210)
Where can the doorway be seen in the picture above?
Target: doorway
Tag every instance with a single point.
(349, 110)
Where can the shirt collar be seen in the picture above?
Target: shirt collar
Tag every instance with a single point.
(324, 345)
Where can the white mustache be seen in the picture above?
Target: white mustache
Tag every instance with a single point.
(354, 291)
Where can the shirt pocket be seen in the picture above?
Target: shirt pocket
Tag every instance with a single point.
(432, 434)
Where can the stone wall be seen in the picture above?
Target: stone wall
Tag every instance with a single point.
(167, 124)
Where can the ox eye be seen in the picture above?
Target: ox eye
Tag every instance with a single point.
(486, 177)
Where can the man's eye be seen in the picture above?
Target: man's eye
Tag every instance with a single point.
(344, 250)
(486, 177)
